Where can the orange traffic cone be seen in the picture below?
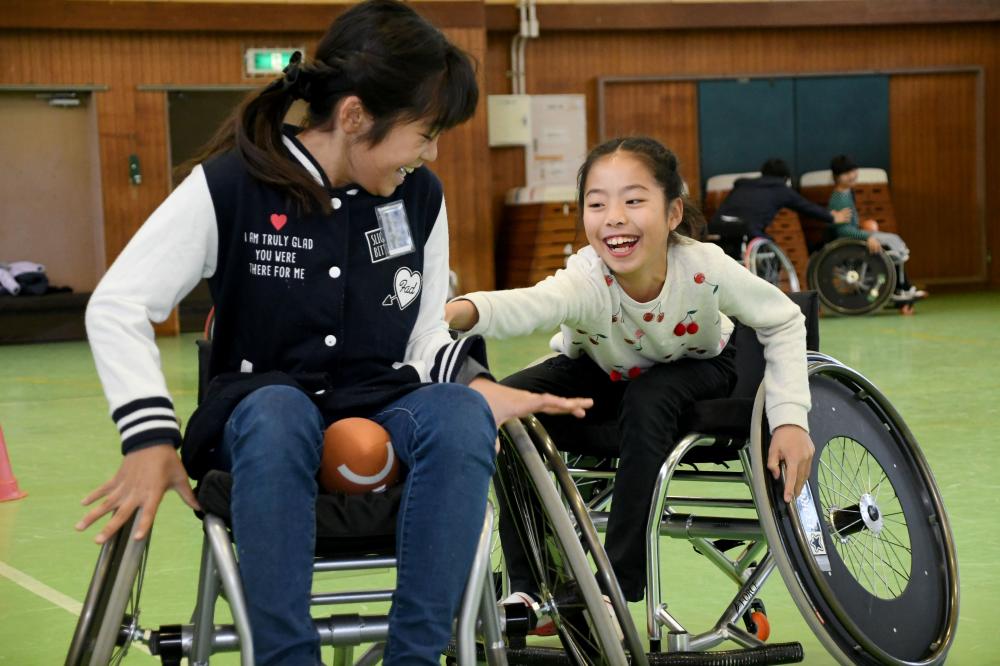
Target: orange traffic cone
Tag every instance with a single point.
(8, 484)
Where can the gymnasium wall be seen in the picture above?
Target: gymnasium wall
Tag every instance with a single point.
(136, 49)
(132, 120)
(933, 116)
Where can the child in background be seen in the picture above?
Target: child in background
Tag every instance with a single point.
(326, 252)
(845, 175)
(644, 316)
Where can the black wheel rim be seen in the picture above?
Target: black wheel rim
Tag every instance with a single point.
(880, 602)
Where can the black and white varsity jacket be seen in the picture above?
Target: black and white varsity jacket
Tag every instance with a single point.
(348, 305)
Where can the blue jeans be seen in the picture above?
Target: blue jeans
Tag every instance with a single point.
(444, 435)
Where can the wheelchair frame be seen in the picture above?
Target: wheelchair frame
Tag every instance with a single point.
(106, 625)
(764, 533)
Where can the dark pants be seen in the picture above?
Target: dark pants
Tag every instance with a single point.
(641, 418)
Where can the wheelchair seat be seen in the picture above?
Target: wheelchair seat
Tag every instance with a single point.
(346, 525)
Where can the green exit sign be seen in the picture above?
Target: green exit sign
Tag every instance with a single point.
(265, 62)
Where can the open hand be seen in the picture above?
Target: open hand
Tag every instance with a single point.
(791, 444)
(508, 403)
(144, 476)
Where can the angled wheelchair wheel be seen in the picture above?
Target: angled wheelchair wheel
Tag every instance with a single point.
(766, 260)
(849, 279)
(567, 589)
(109, 619)
(866, 551)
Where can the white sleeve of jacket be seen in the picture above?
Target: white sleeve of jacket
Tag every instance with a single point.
(431, 349)
(780, 327)
(171, 252)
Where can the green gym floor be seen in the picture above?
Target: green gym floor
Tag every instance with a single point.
(939, 368)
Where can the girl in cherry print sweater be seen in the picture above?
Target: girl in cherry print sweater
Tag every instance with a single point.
(643, 316)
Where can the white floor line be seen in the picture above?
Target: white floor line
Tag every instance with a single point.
(40, 589)
(54, 597)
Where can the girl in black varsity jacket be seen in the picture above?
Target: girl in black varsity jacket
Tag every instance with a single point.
(326, 251)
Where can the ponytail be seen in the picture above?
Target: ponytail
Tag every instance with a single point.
(692, 223)
(401, 67)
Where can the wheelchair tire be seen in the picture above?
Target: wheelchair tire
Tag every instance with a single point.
(849, 279)
(109, 619)
(567, 589)
(867, 552)
(767, 261)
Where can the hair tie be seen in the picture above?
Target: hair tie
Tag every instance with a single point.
(292, 79)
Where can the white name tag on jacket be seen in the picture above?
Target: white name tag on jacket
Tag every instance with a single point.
(395, 228)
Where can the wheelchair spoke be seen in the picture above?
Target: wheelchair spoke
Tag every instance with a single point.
(850, 500)
(884, 557)
(547, 562)
(858, 504)
(878, 486)
(854, 486)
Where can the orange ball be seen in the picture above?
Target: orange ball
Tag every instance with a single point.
(357, 457)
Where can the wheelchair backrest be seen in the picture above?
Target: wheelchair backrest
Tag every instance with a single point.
(750, 353)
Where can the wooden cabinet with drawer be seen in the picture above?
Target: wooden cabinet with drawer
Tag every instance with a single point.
(535, 240)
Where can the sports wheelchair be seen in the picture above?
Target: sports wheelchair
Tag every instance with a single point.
(354, 533)
(761, 256)
(848, 279)
(865, 551)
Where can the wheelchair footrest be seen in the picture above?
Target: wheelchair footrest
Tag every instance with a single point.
(521, 656)
(778, 653)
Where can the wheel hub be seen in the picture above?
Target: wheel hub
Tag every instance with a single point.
(870, 514)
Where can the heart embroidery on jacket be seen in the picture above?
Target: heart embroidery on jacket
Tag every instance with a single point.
(407, 286)
(278, 221)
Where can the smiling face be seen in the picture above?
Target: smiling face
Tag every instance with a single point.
(382, 167)
(628, 221)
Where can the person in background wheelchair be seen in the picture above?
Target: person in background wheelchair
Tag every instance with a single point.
(753, 202)
(644, 316)
(295, 229)
(845, 174)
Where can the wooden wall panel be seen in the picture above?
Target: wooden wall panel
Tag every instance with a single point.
(665, 111)
(464, 167)
(933, 180)
(571, 62)
(133, 121)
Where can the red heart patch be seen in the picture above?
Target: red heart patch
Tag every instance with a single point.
(278, 221)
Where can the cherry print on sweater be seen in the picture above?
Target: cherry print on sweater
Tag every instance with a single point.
(684, 327)
(699, 278)
(656, 313)
(620, 374)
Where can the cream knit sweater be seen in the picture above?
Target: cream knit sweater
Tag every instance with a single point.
(687, 320)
